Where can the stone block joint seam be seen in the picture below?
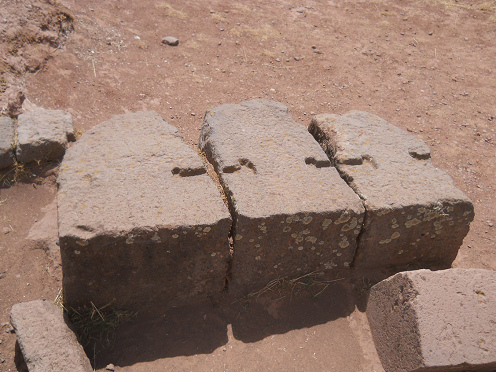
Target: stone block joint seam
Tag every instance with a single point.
(292, 213)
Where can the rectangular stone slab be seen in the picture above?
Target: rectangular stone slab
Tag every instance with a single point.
(45, 340)
(7, 141)
(140, 221)
(43, 135)
(415, 216)
(292, 212)
(435, 320)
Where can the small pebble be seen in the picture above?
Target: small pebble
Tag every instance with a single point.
(110, 367)
(170, 40)
(489, 223)
(5, 230)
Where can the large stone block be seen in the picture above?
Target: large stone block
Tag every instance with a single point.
(7, 140)
(292, 212)
(43, 135)
(435, 320)
(45, 340)
(140, 221)
(415, 216)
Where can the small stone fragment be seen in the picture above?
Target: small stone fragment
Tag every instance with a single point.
(170, 40)
(5, 230)
(110, 367)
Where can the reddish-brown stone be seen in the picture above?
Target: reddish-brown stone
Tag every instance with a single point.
(415, 216)
(45, 340)
(140, 221)
(435, 320)
(292, 212)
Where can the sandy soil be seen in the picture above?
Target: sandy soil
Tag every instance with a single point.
(425, 65)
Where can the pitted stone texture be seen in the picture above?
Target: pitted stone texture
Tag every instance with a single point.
(43, 135)
(45, 340)
(140, 221)
(415, 216)
(435, 320)
(293, 213)
(7, 138)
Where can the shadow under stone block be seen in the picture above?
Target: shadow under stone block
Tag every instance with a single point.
(292, 212)
(140, 221)
(415, 216)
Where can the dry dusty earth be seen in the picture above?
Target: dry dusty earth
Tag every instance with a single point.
(427, 66)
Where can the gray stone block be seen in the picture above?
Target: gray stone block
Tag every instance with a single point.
(45, 340)
(43, 135)
(293, 214)
(140, 221)
(415, 216)
(435, 320)
(7, 142)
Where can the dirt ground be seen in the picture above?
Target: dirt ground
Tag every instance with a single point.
(427, 66)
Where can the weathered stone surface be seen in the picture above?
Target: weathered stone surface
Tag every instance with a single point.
(45, 340)
(435, 320)
(140, 221)
(7, 133)
(43, 135)
(415, 216)
(293, 213)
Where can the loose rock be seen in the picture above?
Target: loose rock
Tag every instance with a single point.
(43, 135)
(45, 340)
(170, 40)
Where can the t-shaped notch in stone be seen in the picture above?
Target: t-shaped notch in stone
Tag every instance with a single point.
(140, 222)
(415, 216)
(292, 212)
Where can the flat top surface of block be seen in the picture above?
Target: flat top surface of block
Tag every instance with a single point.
(446, 318)
(271, 164)
(134, 171)
(46, 341)
(43, 124)
(386, 166)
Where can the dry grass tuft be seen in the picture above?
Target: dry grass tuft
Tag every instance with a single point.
(78, 132)
(309, 281)
(96, 326)
(18, 172)
(171, 11)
